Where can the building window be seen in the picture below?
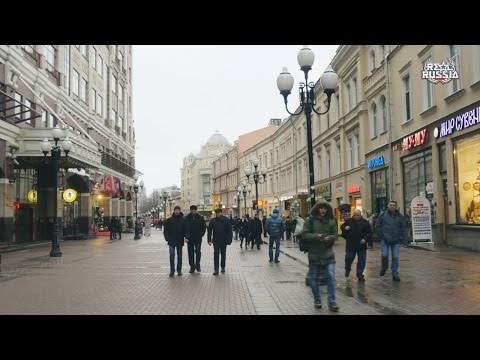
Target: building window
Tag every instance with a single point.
(372, 61)
(454, 53)
(113, 116)
(406, 99)
(383, 101)
(328, 174)
(476, 63)
(337, 98)
(49, 52)
(379, 181)
(350, 153)
(442, 157)
(83, 89)
(76, 82)
(29, 114)
(349, 98)
(417, 172)
(339, 159)
(93, 99)
(373, 121)
(467, 179)
(100, 66)
(427, 90)
(44, 119)
(354, 88)
(356, 143)
(99, 105)
(66, 66)
(93, 57)
(114, 84)
(120, 92)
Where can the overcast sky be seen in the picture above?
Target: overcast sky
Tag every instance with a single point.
(183, 94)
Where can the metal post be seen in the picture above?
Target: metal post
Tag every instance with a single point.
(55, 252)
(308, 114)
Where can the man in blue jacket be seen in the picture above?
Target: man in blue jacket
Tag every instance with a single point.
(275, 228)
(391, 230)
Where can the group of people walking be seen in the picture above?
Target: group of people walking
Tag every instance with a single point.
(319, 230)
(191, 229)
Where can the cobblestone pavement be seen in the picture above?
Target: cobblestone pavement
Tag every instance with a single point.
(129, 276)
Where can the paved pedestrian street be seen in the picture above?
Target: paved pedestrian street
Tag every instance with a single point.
(127, 276)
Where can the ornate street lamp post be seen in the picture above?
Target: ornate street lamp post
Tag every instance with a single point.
(244, 188)
(135, 189)
(329, 81)
(258, 177)
(56, 151)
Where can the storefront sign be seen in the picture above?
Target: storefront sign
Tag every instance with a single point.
(458, 123)
(69, 195)
(324, 190)
(421, 219)
(414, 140)
(353, 189)
(376, 162)
(79, 171)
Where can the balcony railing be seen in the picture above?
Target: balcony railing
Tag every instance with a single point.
(118, 165)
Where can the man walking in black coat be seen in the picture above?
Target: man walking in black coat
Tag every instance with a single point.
(174, 235)
(357, 233)
(220, 229)
(255, 231)
(194, 230)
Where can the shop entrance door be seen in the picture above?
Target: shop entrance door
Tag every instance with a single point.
(23, 225)
(445, 210)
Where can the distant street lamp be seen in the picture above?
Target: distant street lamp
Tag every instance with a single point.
(243, 188)
(135, 189)
(329, 81)
(258, 177)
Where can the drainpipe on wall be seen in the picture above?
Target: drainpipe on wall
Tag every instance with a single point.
(390, 169)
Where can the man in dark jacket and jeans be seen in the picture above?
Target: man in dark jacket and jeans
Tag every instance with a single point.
(391, 230)
(275, 228)
(220, 228)
(194, 231)
(357, 232)
(321, 233)
(174, 235)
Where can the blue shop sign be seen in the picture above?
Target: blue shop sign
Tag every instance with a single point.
(376, 162)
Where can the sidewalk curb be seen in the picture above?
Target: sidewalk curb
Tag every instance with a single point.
(13, 248)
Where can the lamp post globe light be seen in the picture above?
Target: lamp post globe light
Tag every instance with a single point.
(258, 177)
(328, 80)
(56, 153)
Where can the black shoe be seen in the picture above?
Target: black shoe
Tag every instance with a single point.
(198, 268)
(317, 303)
(361, 278)
(179, 274)
(258, 247)
(171, 274)
(192, 270)
(382, 272)
(333, 307)
(215, 273)
(396, 278)
(277, 261)
(270, 261)
(223, 271)
(347, 273)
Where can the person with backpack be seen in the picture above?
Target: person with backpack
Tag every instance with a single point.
(321, 232)
(275, 228)
(392, 230)
(357, 233)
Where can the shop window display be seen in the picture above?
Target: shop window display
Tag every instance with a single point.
(467, 166)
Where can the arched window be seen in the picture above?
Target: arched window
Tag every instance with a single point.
(373, 121)
(383, 101)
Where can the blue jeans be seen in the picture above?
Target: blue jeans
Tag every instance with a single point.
(277, 248)
(395, 251)
(330, 269)
(171, 249)
(362, 260)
